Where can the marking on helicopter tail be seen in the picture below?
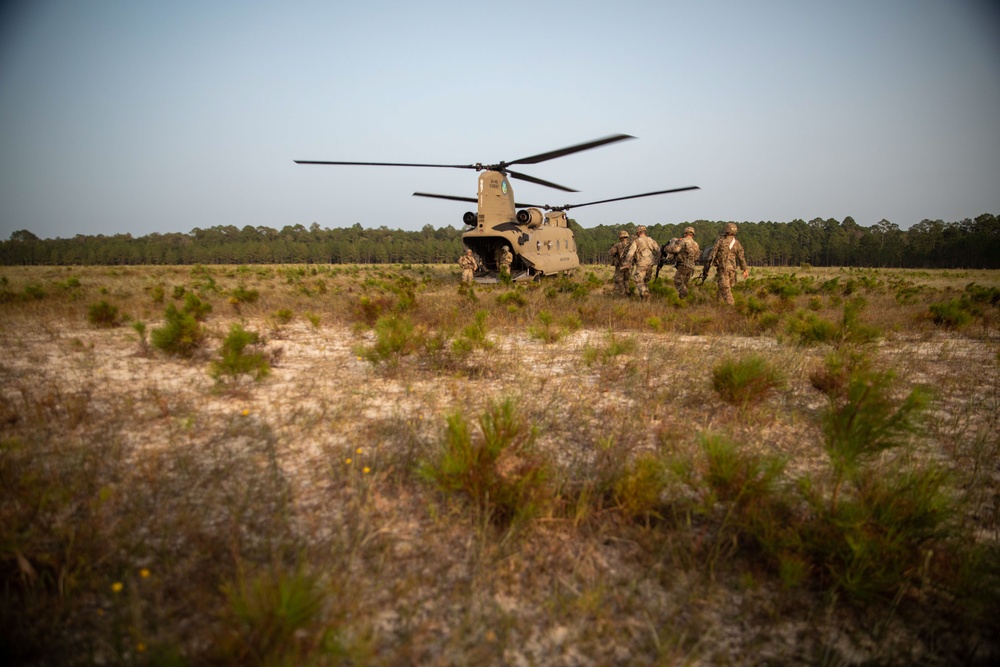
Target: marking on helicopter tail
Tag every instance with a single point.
(503, 186)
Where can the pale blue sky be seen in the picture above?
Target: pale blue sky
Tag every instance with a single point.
(138, 117)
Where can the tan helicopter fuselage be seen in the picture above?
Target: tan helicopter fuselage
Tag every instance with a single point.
(541, 243)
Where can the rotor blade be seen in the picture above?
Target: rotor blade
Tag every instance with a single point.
(469, 199)
(452, 197)
(532, 179)
(646, 194)
(542, 157)
(391, 164)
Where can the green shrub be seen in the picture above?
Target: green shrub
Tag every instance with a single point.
(985, 295)
(236, 359)
(614, 348)
(103, 314)
(637, 491)
(473, 336)
(181, 334)
(809, 329)
(513, 299)
(34, 291)
(852, 330)
(368, 309)
(498, 471)
(395, 338)
(157, 292)
(283, 316)
(737, 476)
(741, 382)
(952, 314)
(241, 294)
(195, 307)
(865, 419)
(273, 618)
(546, 329)
(876, 540)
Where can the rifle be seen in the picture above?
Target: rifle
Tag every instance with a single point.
(700, 280)
(706, 260)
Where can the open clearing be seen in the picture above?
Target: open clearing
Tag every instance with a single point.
(183, 498)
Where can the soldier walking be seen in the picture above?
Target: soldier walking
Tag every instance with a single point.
(622, 269)
(643, 253)
(726, 256)
(686, 252)
(469, 265)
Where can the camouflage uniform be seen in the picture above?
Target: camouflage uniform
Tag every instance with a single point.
(726, 256)
(505, 260)
(468, 265)
(686, 252)
(618, 252)
(643, 251)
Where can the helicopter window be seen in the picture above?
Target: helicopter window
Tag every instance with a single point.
(538, 246)
(549, 244)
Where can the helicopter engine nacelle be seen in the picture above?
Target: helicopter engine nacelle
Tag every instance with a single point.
(469, 218)
(531, 217)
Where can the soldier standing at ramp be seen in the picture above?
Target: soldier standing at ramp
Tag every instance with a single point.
(468, 265)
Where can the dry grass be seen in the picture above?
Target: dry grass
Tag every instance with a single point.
(152, 515)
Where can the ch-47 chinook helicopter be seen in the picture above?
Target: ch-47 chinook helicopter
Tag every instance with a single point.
(541, 243)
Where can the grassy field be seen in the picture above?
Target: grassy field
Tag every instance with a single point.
(371, 465)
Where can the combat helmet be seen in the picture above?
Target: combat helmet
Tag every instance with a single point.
(689, 230)
(730, 229)
(640, 228)
(623, 234)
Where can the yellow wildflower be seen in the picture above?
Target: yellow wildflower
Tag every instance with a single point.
(117, 587)
(144, 573)
(348, 461)
(367, 470)
(246, 411)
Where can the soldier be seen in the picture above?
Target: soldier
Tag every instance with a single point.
(622, 268)
(468, 264)
(686, 252)
(643, 252)
(726, 255)
(504, 260)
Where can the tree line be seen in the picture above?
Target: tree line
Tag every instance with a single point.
(969, 243)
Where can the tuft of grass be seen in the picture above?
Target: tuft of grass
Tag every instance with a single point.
(241, 295)
(637, 492)
(104, 315)
(498, 470)
(546, 330)
(742, 382)
(472, 337)
(273, 618)
(809, 329)
(395, 337)
(513, 299)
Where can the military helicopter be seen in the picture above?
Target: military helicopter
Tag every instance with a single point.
(538, 236)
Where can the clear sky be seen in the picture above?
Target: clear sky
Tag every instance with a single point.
(118, 116)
